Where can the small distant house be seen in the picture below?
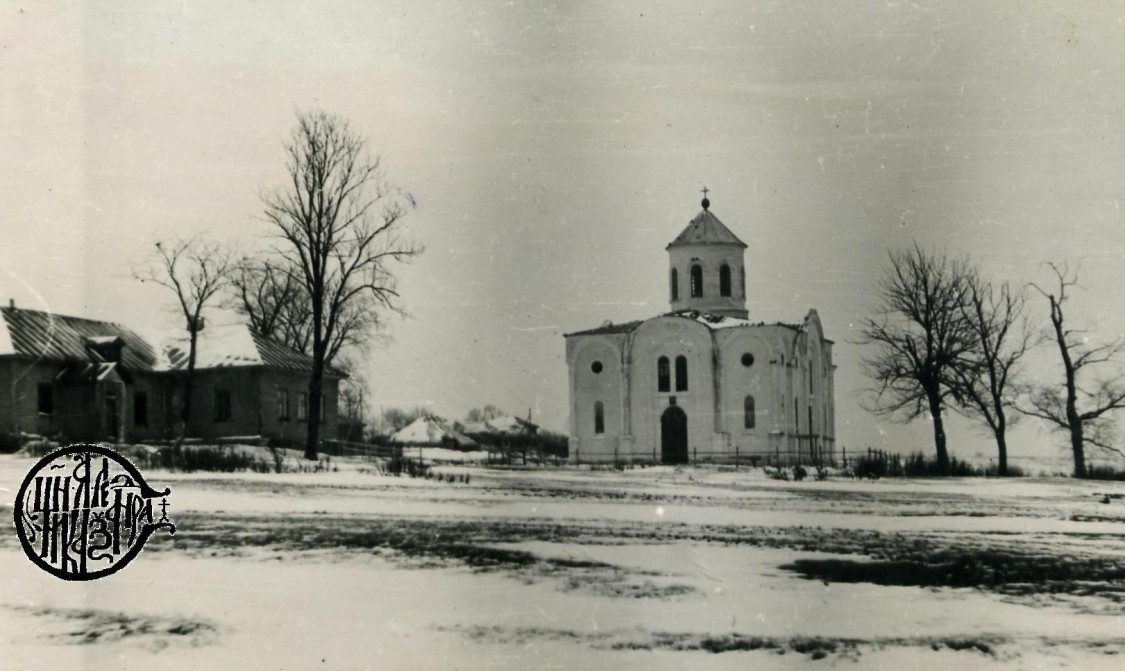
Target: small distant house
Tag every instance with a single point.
(82, 379)
(432, 432)
(504, 432)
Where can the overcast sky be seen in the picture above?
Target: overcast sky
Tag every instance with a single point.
(554, 149)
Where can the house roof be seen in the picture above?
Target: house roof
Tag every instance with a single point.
(43, 335)
(706, 228)
(65, 339)
(430, 431)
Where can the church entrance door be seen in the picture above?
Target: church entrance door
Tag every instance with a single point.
(673, 436)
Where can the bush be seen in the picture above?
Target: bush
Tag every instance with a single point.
(1104, 472)
(9, 442)
(415, 468)
(209, 459)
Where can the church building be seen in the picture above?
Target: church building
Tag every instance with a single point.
(702, 382)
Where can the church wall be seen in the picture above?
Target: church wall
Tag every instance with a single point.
(588, 387)
(711, 258)
(671, 336)
(766, 379)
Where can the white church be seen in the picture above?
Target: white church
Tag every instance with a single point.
(702, 382)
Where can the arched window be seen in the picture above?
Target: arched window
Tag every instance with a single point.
(696, 280)
(810, 378)
(599, 417)
(675, 285)
(663, 376)
(748, 411)
(742, 279)
(724, 280)
(681, 373)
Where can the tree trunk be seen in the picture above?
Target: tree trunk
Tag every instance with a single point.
(312, 441)
(939, 430)
(1077, 445)
(1073, 419)
(189, 383)
(1002, 448)
(1001, 441)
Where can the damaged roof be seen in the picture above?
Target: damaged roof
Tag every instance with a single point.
(66, 339)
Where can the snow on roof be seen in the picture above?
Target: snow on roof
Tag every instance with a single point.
(6, 345)
(510, 424)
(61, 338)
(711, 321)
(429, 430)
(66, 339)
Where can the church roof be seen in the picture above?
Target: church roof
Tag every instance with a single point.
(608, 327)
(706, 228)
(711, 321)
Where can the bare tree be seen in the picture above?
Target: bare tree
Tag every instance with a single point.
(272, 297)
(488, 412)
(987, 386)
(196, 270)
(339, 222)
(1081, 410)
(922, 335)
(352, 401)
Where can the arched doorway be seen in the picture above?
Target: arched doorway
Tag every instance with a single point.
(673, 436)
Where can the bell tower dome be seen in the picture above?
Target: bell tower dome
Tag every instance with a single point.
(706, 268)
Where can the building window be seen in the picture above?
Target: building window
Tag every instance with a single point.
(796, 417)
(599, 418)
(140, 408)
(724, 280)
(675, 285)
(696, 281)
(222, 405)
(596, 367)
(748, 411)
(681, 373)
(748, 359)
(810, 378)
(742, 280)
(283, 405)
(663, 376)
(302, 406)
(46, 398)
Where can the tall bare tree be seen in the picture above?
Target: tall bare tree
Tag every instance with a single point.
(921, 336)
(988, 384)
(197, 270)
(339, 221)
(1083, 411)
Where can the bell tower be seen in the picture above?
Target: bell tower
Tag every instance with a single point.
(706, 268)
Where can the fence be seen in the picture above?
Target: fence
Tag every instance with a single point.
(735, 457)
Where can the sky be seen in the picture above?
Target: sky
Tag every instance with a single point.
(554, 149)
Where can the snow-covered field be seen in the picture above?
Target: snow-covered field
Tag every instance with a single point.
(648, 569)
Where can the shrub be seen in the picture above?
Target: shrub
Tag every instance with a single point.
(1104, 472)
(209, 459)
(415, 468)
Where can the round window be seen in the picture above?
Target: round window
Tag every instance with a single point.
(748, 359)
(596, 366)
